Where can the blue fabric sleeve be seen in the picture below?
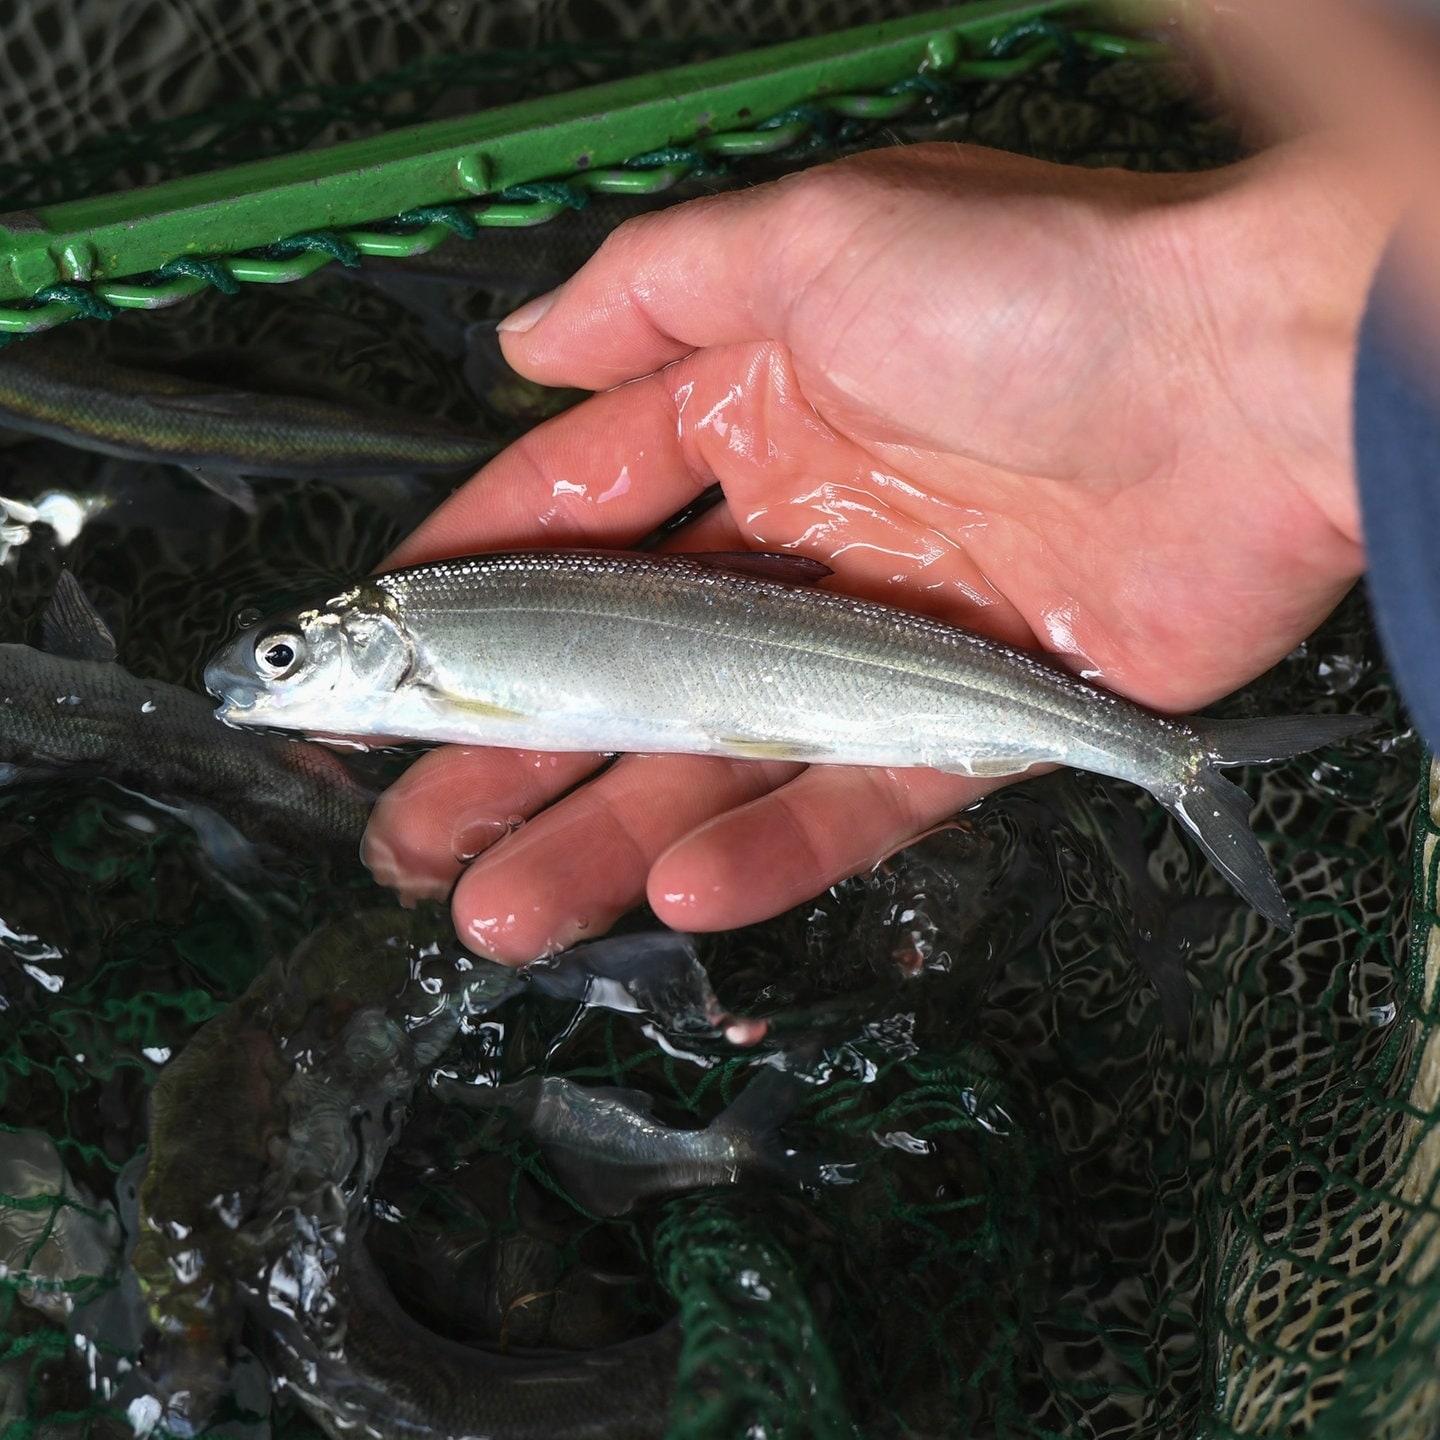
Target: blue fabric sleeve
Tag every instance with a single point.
(1397, 463)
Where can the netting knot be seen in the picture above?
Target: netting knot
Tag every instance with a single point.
(453, 217)
(212, 272)
(86, 301)
(327, 241)
(550, 192)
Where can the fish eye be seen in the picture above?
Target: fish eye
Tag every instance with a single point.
(279, 653)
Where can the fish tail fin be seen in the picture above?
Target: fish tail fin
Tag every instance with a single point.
(1217, 812)
(754, 1120)
(1258, 742)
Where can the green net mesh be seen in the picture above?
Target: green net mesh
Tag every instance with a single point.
(1110, 1157)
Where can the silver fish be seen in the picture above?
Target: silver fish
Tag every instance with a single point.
(71, 710)
(728, 655)
(611, 1153)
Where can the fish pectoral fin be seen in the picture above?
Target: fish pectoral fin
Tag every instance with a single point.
(481, 708)
(754, 747)
(990, 766)
(71, 626)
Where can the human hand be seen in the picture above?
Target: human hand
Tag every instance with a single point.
(1101, 413)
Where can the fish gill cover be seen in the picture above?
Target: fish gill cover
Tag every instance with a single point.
(1105, 1154)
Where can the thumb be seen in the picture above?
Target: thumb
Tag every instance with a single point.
(660, 286)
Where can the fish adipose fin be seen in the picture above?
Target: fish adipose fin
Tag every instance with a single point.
(761, 565)
(71, 626)
(1217, 812)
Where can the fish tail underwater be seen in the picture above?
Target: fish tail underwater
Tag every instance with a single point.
(1036, 1129)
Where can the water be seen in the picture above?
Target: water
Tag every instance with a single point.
(1040, 1037)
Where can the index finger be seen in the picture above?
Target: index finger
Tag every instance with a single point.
(604, 473)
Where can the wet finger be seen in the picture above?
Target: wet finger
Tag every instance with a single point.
(604, 473)
(574, 869)
(831, 822)
(455, 802)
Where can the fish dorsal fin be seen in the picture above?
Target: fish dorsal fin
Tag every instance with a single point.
(71, 626)
(763, 565)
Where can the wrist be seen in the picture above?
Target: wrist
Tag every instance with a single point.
(1270, 263)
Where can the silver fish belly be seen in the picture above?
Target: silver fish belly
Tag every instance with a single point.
(713, 655)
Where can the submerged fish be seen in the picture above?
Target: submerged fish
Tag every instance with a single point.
(72, 710)
(611, 1153)
(728, 655)
(290, 1092)
(657, 974)
(49, 387)
(266, 1133)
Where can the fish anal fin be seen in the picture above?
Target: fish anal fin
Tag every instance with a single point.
(763, 565)
(989, 767)
(71, 626)
(227, 485)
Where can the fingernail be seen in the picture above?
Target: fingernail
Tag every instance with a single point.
(529, 315)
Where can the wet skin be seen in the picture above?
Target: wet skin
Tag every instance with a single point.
(1096, 413)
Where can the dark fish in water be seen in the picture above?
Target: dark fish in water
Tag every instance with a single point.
(512, 1289)
(278, 1097)
(657, 974)
(71, 710)
(611, 1153)
(266, 1133)
(1160, 929)
(50, 387)
(729, 655)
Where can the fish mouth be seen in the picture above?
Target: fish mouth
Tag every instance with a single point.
(235, 693)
